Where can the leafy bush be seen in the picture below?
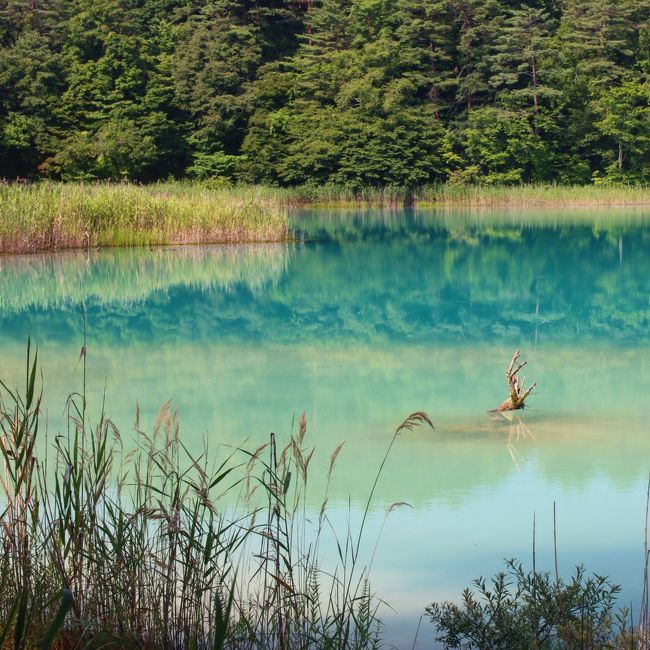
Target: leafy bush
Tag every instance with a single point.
(518, 609)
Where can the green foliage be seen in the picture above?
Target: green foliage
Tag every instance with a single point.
(624, 113)
(31, 80)
(352, 150)
(117, 150)
(519, 609)
(496, 146)
(349, 92)
(214, 60)
(212, 166)
(521, 57)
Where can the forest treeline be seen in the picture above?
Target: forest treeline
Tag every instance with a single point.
(347, 92)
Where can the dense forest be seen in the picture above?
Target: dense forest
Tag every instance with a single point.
(346, 92)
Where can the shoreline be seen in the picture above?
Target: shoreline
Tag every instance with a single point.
(48, 216)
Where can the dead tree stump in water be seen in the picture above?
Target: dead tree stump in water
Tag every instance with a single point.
(518, 394)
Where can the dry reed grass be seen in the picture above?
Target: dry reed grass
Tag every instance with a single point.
(53, 216)
(108, 549)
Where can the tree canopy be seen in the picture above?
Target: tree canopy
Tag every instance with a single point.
(347, 92)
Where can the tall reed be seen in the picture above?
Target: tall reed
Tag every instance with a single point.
(300, 607)
(532, 195)
(50, 216)
(109, 548)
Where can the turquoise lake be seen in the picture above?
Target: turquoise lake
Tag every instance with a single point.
(370, 316)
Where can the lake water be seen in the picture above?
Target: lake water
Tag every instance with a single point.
(372, 316)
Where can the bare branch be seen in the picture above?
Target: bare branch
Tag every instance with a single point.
(515, 386)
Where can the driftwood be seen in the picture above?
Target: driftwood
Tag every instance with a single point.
(518, 394)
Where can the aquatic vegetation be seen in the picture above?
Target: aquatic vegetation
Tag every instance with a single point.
(475, 195)
(532, 195)
(105, 547)
(50, 216)
(532, 609)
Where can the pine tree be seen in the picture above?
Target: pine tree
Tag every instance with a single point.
(425, 32)
(31, 82)
(215, 61)
(521, 52)
(595, 40)
(595, 48)
(477, 28)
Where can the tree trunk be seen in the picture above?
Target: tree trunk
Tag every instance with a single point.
(517, 393)
(533, 66)
(620, 155)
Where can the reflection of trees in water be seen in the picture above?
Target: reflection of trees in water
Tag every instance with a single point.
(412, 279)
(509, 283)
(124, 276)
(363, 224)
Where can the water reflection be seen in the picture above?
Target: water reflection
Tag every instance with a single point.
(372, 317)
(517, 430)
(412, 280)
(129, 276)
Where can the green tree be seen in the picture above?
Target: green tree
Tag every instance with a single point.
(346, 148)
(477, 29)
(266, 141)
(595, 48)
(521, 53)
(624, 113)
(360, 109)
(215, 61)
(116, 150)
(498, 146)
(119, 71)
(425, 33)
(325, 91)
(595, 39)
(31, 80)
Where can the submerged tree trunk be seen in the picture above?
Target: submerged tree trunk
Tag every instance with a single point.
(518, 394)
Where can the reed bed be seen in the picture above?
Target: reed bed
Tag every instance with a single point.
(103, 548)
(535, 195)
(51, 216)
(448, 194)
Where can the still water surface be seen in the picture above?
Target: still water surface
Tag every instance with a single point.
(372, 316)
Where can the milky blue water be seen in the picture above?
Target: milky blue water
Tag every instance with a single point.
(371, 316)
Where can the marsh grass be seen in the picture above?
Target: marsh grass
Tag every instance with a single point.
(51, 216)
(447, 194)
(535, 195)
(104, 548)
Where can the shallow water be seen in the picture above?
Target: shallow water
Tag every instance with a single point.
(372, 316)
